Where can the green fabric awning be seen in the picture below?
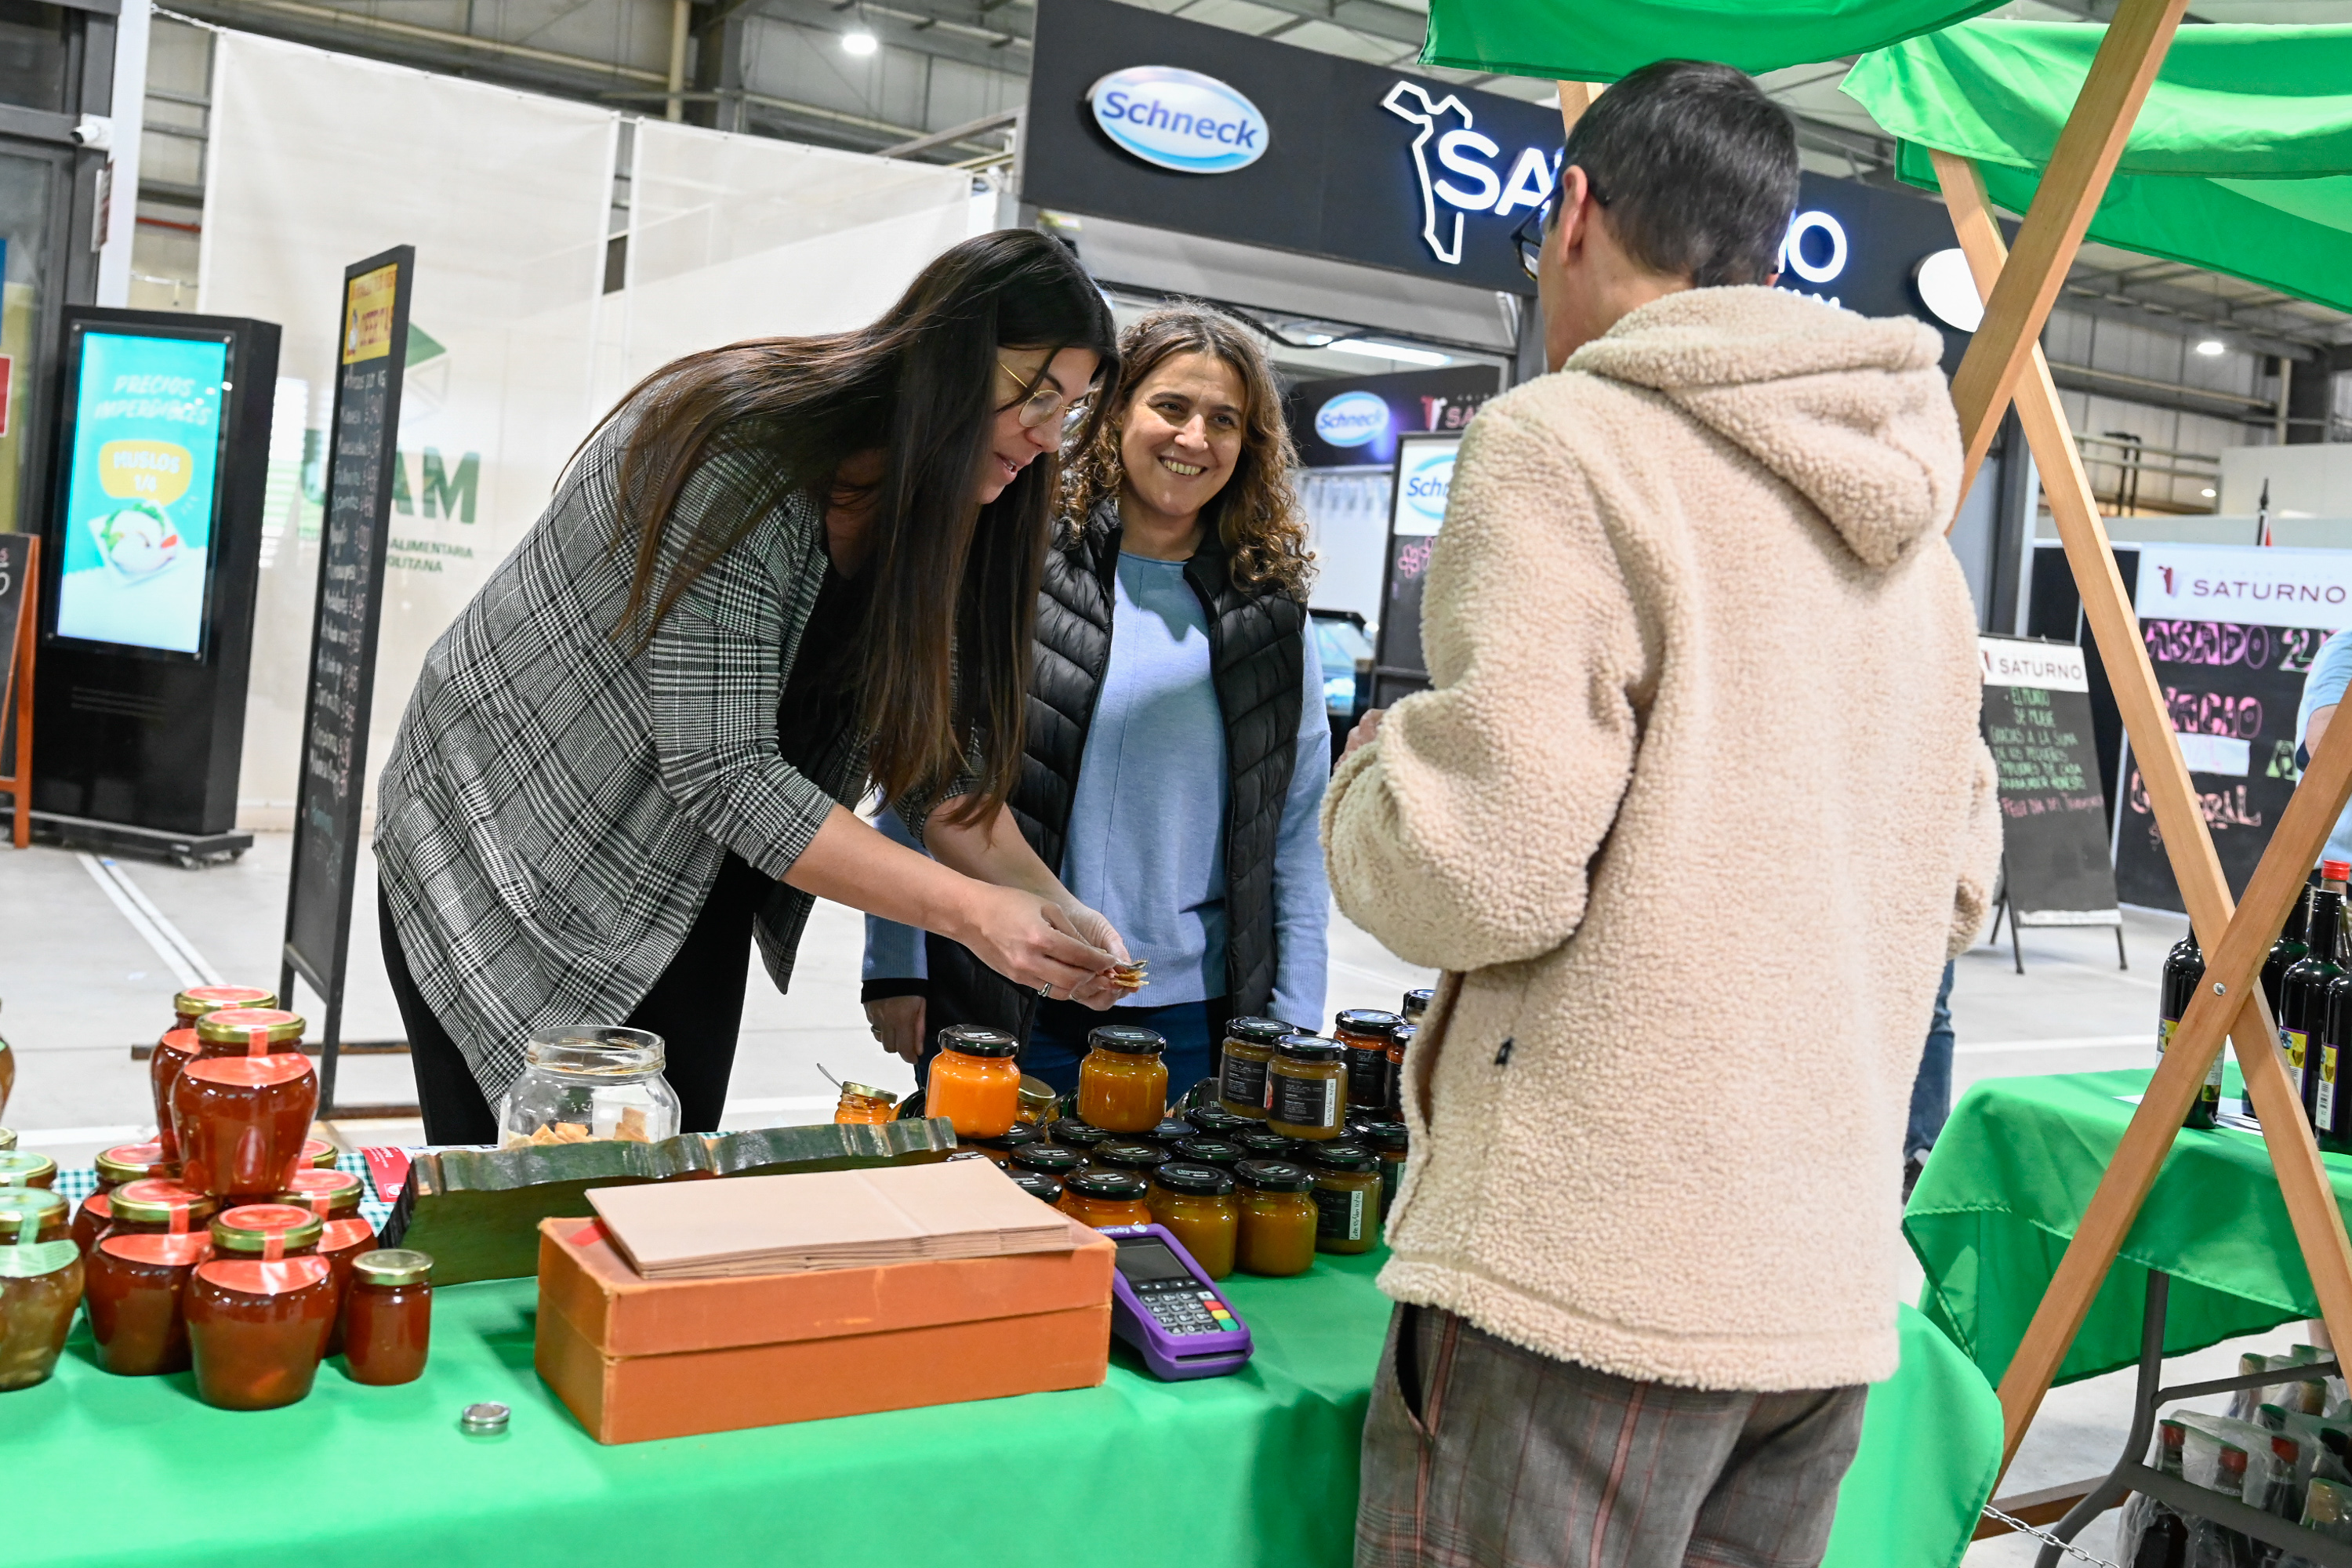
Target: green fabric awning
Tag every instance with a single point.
(2240, 161)
(1600, 40)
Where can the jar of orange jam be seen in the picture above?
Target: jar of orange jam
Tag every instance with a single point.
(1045, 1160)
(1241, 1070)
(243, 1121)
(1197, 1204)
(1101, 1198)
(1347, 1197)
(174, 1051)
(1202, 1150)
(1002, 1147)
(90, 1220)
(1364, 1035)
(1072, 1132)
(1305, 1089)
(863, 1105)
(154, 1207)
(1039, 1103)
(386, 1327)
(1123, 1082)
(1277, 1219)
(1042, 1187)
(130, 1162)
(134, 1291)
(1387, 1139)
(974, 1080)
(258, 1326)
(1129, 1154)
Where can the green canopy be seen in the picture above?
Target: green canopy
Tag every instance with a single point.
(2240, 162)
(1600, 40)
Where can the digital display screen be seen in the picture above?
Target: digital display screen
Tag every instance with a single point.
(1147, 1262)
(140, 490)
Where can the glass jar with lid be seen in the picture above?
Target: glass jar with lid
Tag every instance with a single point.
(1075, 1132)
(1045, 1160)
(974, 1080)
(1363, 1034)
(334, 1197)
(387, 1316)
(1260, 1145)
(193, 1006)
(155, 1206)
(32, 1213)
(1039, 1185)
(135, 1291)
(1101, 1198)
(1346, 1196)
(267, 1231)
(241, 1120)
(174, 1051)
(1039, 1104)
(1197, 1204)
(863, 1105)
(130, 1162)
(91, 1218)
(1129, 1154)
(1216, 1122)
(257, 1326)
(592, 1084)
(1305, 1089)
(23, 1168)
(1387, 1139)
(1242, 1068)
(1123, 1082)
(1202, 1150)
(1277, 1219)
(1400, 1038)
(1000, 1148)
(1170, 1129)
(40, 1290)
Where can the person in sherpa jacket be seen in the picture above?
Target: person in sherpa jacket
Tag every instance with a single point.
(1693, 815)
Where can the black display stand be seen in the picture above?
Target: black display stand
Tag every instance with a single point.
(2036, 719)
(373, 354)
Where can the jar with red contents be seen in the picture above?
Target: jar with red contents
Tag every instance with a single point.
(260, 1309)
(125, 1162)
(157, 1207)
(179, 1045)
(387, 1319)
(89, 1222)
(334, 1197)
(242, 1121)
(136, 1288)
(197, 1003)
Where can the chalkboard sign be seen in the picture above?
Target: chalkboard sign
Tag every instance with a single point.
(2037, 723)
(374, 344)
(20, 557)
(2232, 632)
(1425, 477)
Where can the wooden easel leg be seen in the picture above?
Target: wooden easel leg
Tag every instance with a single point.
(2235, 940)
(2072, 185)
(2123, 959)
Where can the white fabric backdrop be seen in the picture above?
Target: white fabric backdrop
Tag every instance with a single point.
(318, 159)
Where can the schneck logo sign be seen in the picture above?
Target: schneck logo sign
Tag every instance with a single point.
(1179, 119)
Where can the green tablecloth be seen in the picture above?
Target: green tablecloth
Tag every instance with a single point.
(1254, 1468)
(2010, 1179)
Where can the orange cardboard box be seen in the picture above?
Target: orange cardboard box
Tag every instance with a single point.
(636, 1359)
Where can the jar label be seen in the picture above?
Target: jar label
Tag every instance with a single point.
(173, 1250)
(1244, 1083)
(339, 1234)
(1304, 1101)
(31, 1259)
(1339, 1215)
(284, 1066)
(1368, 1075)
(2323, 1113)
(278, 1277)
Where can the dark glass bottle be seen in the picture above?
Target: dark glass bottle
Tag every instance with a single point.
(2184, 966)
(2303, 991)
(2152, 1534)
(2290, 947)
(2331, 1117)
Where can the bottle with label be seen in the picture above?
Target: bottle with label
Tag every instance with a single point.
(2290, 948)
(2303, 990)
(2331, 1117)
(2184, 966)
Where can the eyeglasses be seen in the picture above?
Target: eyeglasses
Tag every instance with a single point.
(1528, 239)
(1044, 403)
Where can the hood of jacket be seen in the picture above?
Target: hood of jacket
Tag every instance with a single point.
(1853, 412)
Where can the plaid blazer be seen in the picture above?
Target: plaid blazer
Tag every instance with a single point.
(556, 809)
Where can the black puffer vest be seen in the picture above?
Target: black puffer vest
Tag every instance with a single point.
(1255, 653)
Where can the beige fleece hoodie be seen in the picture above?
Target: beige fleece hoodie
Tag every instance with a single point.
(1696, 809)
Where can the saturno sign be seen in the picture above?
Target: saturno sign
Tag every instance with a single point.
(1179, 119)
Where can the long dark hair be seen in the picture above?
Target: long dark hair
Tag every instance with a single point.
(943, 657)
(1257, 515)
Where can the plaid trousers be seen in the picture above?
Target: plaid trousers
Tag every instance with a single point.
(1478, 1454)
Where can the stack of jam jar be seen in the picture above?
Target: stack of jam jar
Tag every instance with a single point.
(229, 1244)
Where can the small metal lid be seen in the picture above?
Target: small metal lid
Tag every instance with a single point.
(1127, 1039)
(1258, 1031)
(1038, 1096)
(199, 1000)
(1273, 1176)
(1130, 1154)
(1109, 1187)
(1202, 1180)
(972, 1040)
(153, 1201)
(129, 1163)
(321, 1191)
(8, 1138)
(24, 1210)
(1051, 1159)
(1337, 1155)
(1416, 1003)
(236, 1025)
(1308, 1048)
(392, 1266)
(318, 1154)
(248, 1229)
(868, 1092)
(486, 1418)
(24, 1168)
(1366, 1021)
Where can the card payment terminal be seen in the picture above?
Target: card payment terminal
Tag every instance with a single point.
(1167, 1307)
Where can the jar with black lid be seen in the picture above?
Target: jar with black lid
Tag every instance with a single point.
(1197, 1204)
(1242, 1068)
(1020, 1135)
(1387, 1139)
(1128, 1154)
(1260, 1145)
(1038, 1185)
(1216, 1122)
(1400, 1038)
(1071, 1132)
(1045, 1160)
(1170, 1130)
(1364, 1035)
(1278, 1218)
(1305, 1091)
(1415, 1003)
(1101, 1198)
(1346, 1196)
(1203, 1149)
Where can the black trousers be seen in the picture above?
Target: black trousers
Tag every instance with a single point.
(696, 1006)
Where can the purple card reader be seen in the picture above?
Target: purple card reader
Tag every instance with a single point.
(1165, 1305)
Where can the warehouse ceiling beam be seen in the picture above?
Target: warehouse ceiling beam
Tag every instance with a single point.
(1001, 120)
(433, 45)
(2235, 937)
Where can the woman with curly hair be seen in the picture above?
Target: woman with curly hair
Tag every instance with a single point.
(1177, 748)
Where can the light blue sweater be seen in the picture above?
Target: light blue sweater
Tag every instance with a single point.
(1146, 835)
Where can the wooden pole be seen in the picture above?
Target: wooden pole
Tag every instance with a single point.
(2070, 192)
(1575, 98)
(2235, 940)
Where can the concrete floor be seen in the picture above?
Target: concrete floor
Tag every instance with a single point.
(81, 984)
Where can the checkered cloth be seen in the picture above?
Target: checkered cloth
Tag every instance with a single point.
(77, 1185)
(556, 808)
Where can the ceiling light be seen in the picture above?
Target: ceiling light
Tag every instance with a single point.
(2207, 493)
(1372, 348)
(2213, 348)
(860, 42)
